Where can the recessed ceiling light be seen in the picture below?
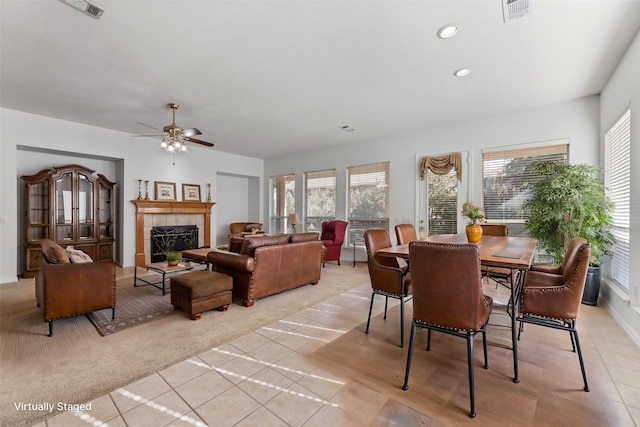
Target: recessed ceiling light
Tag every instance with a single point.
(461, 72)
(347, 128)
(447, 31)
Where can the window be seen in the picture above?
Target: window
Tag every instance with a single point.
(442, 203)
(283, 201)
(368, 198)
(320, 198)
(618, 179)
(507, 179)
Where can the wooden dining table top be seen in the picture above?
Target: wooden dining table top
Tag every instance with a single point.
(496, 251)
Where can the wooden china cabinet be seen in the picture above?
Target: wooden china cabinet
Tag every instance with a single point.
(72, 207)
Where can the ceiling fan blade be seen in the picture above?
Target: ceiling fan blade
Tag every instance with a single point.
(197, 141)
(140, 123)
(191, 132)
(147, 136)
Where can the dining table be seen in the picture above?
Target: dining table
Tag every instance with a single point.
(515, 253)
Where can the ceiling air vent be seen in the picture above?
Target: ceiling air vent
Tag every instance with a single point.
(514, 9)
(86, 7)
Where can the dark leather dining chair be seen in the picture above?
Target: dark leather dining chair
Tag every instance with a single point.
(552, 293)
(499, 275)
(447, 297)
(388, 278)
(405, 233)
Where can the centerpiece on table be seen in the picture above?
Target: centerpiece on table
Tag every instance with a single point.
(173, 257)
(476, 216)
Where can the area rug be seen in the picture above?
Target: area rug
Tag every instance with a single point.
(134, 306)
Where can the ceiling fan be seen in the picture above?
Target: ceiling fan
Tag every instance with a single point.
(174, 137)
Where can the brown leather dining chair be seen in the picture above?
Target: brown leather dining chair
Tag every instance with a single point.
(388, 278)
(405, 233)
(551, 294)
(447, 297)
(499, 275)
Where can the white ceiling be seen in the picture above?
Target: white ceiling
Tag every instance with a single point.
(268, 78)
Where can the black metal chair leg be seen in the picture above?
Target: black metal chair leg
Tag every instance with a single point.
(412, 339)
(50, 328)
(584, 372)
(386, 302)
(472, 412)
(401, 322)
(366, 331)
(428, 339)
(484, 345)
(113, 313)
(573, 343)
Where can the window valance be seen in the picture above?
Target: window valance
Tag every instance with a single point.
(442, 165)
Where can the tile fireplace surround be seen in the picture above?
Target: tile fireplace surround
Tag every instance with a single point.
(150, 213)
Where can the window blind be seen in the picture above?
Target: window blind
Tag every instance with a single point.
(618, 182)
(508, 179)
(442, 203)
(320, 198)
(368, 198)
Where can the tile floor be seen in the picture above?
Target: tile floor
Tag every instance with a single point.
(296, 372)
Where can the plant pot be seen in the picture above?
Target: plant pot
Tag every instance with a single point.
(592, 286)
(474, 233)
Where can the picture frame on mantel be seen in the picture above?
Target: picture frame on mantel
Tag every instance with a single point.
(190, 192)
(165, 191)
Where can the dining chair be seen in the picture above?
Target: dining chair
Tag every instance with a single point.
(405, 233)
(502, 276)
(448, 298)
(551, 295)
(388, 278)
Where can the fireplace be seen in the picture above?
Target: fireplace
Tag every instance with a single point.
(172, 238)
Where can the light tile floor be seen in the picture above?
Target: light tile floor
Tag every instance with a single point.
(267, 378)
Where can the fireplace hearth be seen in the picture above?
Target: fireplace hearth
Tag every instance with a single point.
(172, 238)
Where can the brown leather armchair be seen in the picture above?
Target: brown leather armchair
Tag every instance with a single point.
(447, 297)
(65, 290)
(551, 294)
(387, 277)
(405, 233)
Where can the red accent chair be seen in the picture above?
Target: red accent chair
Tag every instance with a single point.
(333, 237)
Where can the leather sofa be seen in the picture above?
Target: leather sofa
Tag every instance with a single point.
(269, 264)
(65, 289)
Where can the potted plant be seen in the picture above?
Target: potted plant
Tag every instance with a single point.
(173, 257)
(570, 201)
(476, 216)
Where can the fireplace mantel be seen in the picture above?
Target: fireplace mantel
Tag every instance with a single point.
(164, 207)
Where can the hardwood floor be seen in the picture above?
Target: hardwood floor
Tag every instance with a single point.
(550, 391)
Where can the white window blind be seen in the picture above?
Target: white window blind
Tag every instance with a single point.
(320, 198)
(368, 198)
(618, 180)
(283, 202)
(508, 179)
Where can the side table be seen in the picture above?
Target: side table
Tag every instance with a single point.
(357, 242)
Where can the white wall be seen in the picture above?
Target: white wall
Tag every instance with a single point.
(575, 120)
(138, 158)
(622, 91)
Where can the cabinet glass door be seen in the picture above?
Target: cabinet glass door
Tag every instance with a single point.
(85, 207)
(38, 211)
(64, 207)
(104, 212)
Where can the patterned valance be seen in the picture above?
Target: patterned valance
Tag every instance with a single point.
(442, 165)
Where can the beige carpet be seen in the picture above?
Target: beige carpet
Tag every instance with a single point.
(77, 364)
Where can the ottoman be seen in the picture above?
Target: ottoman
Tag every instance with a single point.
(197, 291)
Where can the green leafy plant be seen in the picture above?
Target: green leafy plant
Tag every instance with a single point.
(569, 201)
(173, 256)
(473, 212)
